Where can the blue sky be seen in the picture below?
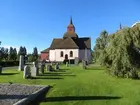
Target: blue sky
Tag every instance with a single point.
(34, 23)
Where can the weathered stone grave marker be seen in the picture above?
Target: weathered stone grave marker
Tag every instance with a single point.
(84, 64)
(27, 72)
(21, 63)
(49, 68)
(67, 64)
(76, 61)
(35, 69)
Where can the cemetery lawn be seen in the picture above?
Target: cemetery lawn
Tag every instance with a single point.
(75, 86)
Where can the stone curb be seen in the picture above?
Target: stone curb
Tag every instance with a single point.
(30, 98)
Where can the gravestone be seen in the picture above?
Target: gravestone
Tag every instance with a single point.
(67, 64)
(21, 63)
(42, 68)
(57, 66)
(76, 61)
(49, 68)
(0, 69)
(84, 64)
(27, 72)
(51, 63)
(35, 70)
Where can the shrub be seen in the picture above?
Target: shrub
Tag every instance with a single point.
(9, 63)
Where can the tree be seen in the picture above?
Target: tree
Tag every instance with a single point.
(11, 53)
(21, 51)
(30, 58)
(2, 53)
(122, 52)
(14, 56)
(100, 46)
(35, 54)
(6, 54)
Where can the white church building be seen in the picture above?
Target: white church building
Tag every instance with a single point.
(69, 47)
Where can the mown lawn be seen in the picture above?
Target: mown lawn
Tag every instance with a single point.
(75, 86)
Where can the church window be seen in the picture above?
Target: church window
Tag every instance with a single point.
(71, 54)
(61, 54)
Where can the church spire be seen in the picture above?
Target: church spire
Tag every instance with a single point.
(120, 26)
(71, 20)
(71, 27)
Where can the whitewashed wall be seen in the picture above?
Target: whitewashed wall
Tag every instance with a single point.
(54, 55)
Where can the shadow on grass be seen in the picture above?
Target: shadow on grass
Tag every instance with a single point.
(46, 78)
(42, 98)
(51, 73)
(71, 98)
(93, 68)
(9, 73)
(76, 98)
(57, 74)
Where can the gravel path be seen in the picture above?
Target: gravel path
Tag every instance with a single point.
(11, 93)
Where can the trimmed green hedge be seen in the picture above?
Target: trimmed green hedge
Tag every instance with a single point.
(9, 63)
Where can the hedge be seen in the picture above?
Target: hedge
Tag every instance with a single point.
(9, 63)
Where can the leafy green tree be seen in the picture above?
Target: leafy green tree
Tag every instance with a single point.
(24, 51)
(100, 46)
(11, 53)
(30, 58)
(6, 54)
(35, 54)
(21, 51)
(122, 52)
(14, 56)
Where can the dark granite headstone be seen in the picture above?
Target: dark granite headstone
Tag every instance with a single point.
(42, 67)
(57, 66)
(49, 68)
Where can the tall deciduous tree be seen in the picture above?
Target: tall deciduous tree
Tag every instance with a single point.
(100, 46)
(122, 53)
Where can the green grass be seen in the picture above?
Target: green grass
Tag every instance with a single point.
(75, 86)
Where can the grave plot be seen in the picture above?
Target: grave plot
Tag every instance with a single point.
(17, 94)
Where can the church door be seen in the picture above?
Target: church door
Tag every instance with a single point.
(66, 57)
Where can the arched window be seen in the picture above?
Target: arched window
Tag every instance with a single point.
(71, 54)
(61, 54)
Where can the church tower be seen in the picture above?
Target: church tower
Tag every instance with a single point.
(71, 27)
(70, 31)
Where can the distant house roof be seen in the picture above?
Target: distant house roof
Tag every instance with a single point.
(46, 50)
(71, 43)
